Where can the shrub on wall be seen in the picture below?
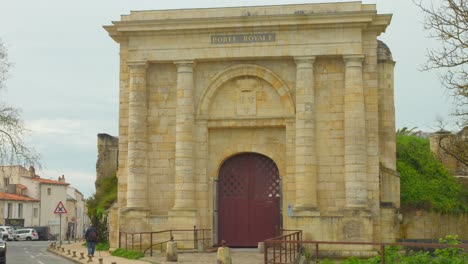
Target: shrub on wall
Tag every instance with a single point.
(100, 202)
(425, 183)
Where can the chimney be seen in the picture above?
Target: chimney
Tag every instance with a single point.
(61, 178)
(32, 171)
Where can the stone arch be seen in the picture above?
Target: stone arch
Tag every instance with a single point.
(245, 70)
(242, 149)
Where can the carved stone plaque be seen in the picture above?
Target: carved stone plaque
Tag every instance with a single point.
(352, 230)
(246, 97)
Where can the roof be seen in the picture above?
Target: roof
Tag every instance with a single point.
(46, 181)
(21, 186)
(15, 197)
(70, 198)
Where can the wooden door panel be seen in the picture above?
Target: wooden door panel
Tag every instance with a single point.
(248, 199)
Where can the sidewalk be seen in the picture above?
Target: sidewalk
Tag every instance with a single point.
(79, 248)
(238, 256)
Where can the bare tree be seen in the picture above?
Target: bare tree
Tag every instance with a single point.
(447, 22)
(13, 150)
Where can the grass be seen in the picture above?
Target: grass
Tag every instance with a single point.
(99, 246)
(129, 254)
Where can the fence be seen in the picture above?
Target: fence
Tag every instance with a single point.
(285, 256)
(281, 249)
(147, 242)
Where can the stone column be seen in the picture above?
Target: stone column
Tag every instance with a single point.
(184, 152)
(306, 160)
(137, 136)
(355, 134)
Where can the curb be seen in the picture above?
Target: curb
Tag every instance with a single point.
(64, 257)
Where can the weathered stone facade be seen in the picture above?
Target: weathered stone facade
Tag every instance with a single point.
(308, 86)
(108, 152)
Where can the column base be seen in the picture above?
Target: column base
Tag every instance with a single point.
(134, 219)
(306, 210)
(357, 211)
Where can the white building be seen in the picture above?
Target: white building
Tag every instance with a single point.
(39, 198)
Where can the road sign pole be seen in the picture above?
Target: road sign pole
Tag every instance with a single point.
(60, 230)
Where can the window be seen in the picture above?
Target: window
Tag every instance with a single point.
(49, 191)
(9, 210)
(36, 212)
(20, 210)
(6, 181)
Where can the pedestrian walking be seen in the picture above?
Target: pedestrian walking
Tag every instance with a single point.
(91, 237)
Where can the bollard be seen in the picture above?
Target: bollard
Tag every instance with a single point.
(261, 247)
(171, 251)
(82, 255)
(74, 254)
(101, 260)
(68, 252)
(90, 259)
(224, 254)
(201, 246)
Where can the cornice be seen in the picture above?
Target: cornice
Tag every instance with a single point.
(369, 20)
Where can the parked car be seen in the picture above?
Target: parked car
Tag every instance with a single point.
(26, 234)
(6, 233)
(43, 231)
(3, 249)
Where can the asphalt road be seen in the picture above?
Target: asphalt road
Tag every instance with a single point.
(34, 252)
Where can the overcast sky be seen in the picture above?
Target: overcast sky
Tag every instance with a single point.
(65, 74)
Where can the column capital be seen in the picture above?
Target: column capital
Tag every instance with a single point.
(184, 65)
(137, 64)
(353, 60)
(304, 61)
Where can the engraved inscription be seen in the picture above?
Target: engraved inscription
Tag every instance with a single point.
(243, 38)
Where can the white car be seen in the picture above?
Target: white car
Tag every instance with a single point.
(26, 234)
(6, 233)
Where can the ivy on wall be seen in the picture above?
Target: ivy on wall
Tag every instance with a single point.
(100, 202)
(425, 182)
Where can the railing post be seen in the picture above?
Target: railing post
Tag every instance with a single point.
(382, 249)
(316, 252)
(126, 241)
(133, 241)
(281, 250)
(274, 251)
(151, 244)
(141, 234)
(265, 253)
(195, 237)
(120, 239)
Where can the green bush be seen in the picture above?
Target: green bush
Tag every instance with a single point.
(397, 255)
(104, 246)
(424, 181)
(129, 254)
(100, 202)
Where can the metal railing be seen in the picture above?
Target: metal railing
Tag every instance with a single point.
(284, 256)
(147, 242)
(280, 249)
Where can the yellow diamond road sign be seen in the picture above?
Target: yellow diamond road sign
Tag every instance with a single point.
(60, 209)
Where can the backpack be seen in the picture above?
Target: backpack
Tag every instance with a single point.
(92, 235)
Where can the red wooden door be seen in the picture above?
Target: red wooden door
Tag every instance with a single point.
(248, 200)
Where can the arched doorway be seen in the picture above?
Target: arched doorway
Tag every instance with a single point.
(248, 200)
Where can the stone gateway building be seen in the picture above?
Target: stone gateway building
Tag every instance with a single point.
(246, 120)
